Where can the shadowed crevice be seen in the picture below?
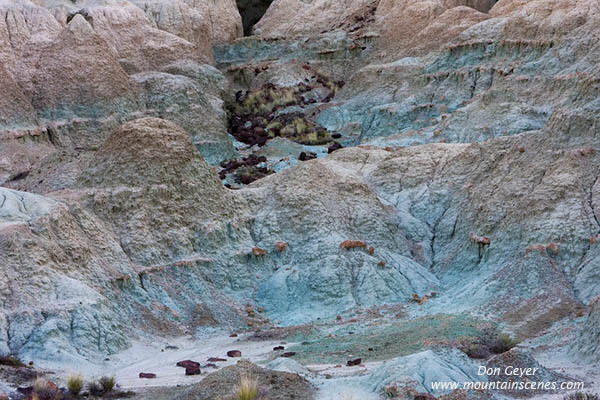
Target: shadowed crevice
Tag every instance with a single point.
(251, 12)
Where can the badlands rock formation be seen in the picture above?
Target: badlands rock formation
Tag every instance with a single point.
(409, 183)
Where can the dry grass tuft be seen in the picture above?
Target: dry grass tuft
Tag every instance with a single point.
(45, 390)
(248, 388)
(75, 384)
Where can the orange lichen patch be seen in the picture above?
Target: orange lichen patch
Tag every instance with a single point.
(594, 239)
(418, 299)
(371, 250)
(257, 251)
(281, 246)
(381, 264)
(483, 240)
(353, 244)
(551, 249)
(535, 247)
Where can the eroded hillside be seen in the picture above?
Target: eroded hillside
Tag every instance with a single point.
(411, 183)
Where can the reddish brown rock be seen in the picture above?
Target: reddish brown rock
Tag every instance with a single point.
(188, 364)
(216, 359)
(193, 370)
(234, 353)
(147, 375)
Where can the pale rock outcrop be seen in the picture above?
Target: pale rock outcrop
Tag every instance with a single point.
(223, 16)
(152, 165)
(131, 35)
(418, 207)
(182, 20)
(288, 18)
(193, 102)
(67, 68)
(148, 32)
(23, 25)
(81, 76)
(56, 259)
(83, 273)
(16, 110)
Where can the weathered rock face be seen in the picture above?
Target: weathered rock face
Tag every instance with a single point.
(82, 76)
(288, 18)
(69, 258)
(74, 71)
(589, 340)
(57, 259)
(152, 166)
(458, 174)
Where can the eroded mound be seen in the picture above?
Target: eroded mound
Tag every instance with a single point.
(224, 384)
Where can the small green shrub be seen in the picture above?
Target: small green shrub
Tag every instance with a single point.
(107, 383)
(75, 384)
(502, 343)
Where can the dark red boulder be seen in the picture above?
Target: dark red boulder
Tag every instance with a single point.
(147, 375)
(193, 370)
(334, 147)
(216, 359)
(188, 364)
(234, 353)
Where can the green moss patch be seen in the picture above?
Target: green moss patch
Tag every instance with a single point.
(380, 342)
